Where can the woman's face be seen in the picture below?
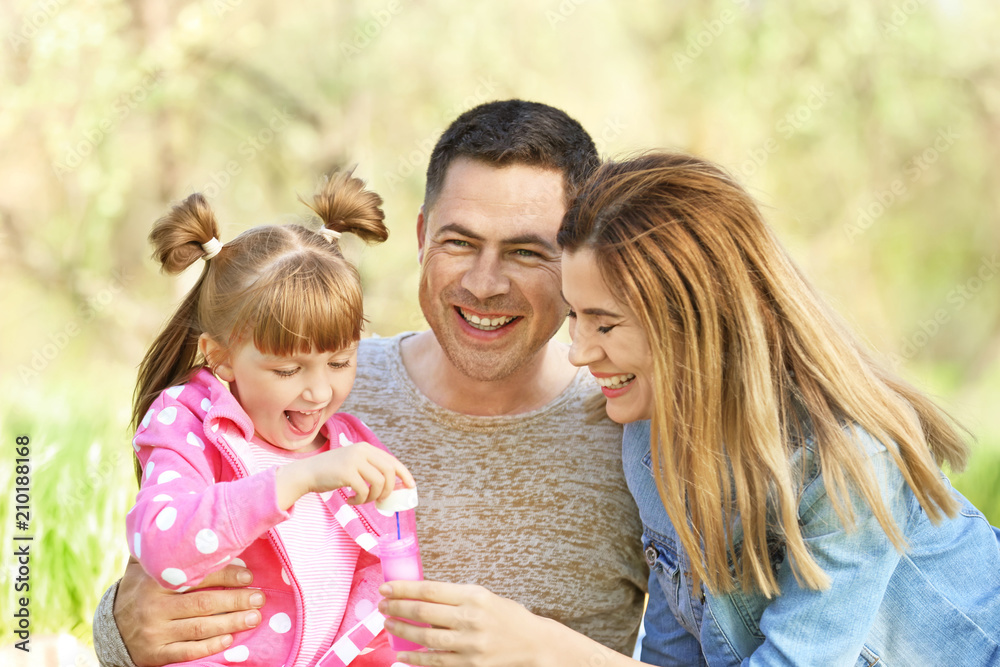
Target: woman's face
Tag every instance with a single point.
(607, 339)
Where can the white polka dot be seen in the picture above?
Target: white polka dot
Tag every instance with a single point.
(364, 608)
(344, 442)
(162, 496)
(195, 441)
(215, 427)
(137, 545)
(222, 561)
(135, 444)
(239, 561)
(237, 654)
(183, 588)
(280, 623)
(399, 664)
(167, 476)
(166, 518)
(284, 576)
(326, 495)
(206, 541)
(174, 392)
(149, 469)
(205, 404)
(167, 415)
(173, 576)
(146, 418)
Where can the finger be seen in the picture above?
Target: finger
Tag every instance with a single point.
(196, 604)
(188, 651)
(194, 630)
(231, 576)
(360, 488)
(377, 487)
(431, 613)
(435, 639)
(432, 591)
(404, 474)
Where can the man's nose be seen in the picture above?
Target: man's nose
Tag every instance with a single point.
(486, 277)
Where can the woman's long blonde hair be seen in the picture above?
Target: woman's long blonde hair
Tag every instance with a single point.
(749, 361)
(286, 288)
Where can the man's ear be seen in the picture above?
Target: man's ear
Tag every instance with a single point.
(216, 357)
(421, 228)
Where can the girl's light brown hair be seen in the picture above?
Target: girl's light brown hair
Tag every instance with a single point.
(285, 288)
(748, 362)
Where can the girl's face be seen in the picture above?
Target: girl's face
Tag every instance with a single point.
(289, 398)
(607, 338)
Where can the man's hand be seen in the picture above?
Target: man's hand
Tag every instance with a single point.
(159, 626)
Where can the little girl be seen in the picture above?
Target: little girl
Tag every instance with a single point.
(256, 473)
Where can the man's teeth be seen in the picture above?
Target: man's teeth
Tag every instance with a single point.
(485, 323)
(616, 381)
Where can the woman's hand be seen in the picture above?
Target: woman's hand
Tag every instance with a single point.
(160, 626)
(475, 628)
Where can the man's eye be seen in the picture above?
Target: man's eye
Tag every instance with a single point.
(457, 242)
(526, 253)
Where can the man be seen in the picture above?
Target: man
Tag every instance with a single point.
(517, 493)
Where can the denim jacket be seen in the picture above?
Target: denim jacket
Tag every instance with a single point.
(938, 603)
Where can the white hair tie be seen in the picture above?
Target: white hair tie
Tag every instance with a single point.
(211, 248)
(329, 234)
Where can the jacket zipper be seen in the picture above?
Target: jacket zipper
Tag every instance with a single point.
(279, 549)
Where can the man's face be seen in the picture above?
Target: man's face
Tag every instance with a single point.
(490, 273)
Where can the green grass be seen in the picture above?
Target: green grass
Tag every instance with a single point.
(81, 487)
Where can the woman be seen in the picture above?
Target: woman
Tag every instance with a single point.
(793, 507)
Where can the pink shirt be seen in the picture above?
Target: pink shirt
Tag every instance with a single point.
(208, 498)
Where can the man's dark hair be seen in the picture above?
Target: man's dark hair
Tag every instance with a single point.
(515, 132)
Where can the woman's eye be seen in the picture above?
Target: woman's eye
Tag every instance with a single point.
(571, 314)
(605, 330)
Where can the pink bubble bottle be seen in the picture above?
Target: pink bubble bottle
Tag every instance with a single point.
(399, 550)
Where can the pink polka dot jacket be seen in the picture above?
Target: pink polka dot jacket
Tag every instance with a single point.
(207, 499)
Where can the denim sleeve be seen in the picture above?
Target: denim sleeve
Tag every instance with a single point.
(829, 627)
(666, 643)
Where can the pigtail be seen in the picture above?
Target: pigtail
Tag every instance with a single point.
(344, 205)
(177, 240)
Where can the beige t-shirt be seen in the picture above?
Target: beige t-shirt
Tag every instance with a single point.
(533, 507)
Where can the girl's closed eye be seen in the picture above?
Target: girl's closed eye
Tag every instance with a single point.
(340, 364)
(286, 372)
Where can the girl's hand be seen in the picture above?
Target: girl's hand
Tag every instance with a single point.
(369, 471)
(474, 627)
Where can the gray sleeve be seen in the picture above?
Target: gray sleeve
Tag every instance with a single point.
(108, 644)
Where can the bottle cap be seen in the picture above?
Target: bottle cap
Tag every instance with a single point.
(400, 500)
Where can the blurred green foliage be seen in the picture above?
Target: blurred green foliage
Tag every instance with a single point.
(870, 131)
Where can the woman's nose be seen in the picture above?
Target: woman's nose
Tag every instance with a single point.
(581, 350)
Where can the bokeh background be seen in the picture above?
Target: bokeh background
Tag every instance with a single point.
(869, 131)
